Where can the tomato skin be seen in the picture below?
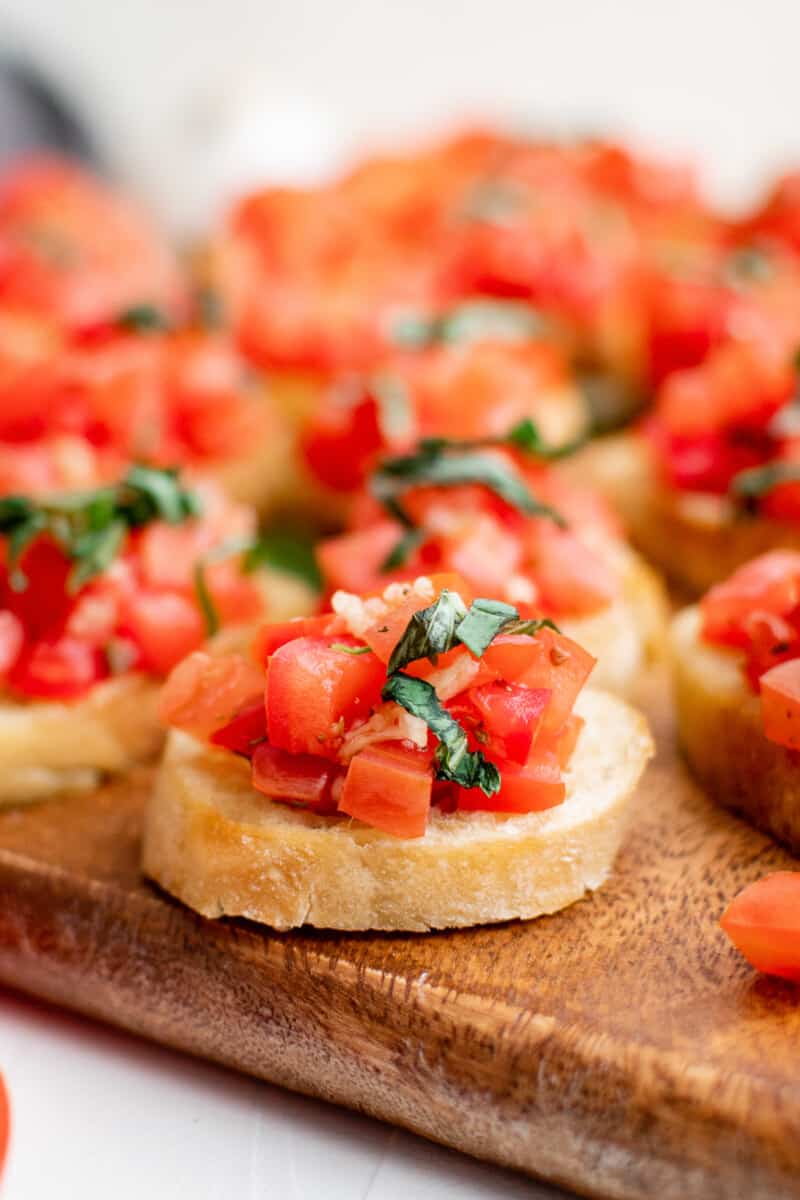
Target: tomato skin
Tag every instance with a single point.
(312, 687)
(165, 626)
(297, 778)
(525, 787)
(62, 669)
(244, 732)
(341, 441)
(204, 692)
(780, 704)
(511, 716)
(390, 789)
(763, 922)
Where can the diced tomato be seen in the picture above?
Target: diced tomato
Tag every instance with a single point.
(205, 692)
(341, 440)
(64, 669)
(510, 655)
(42, 604)
(780, 704)
(771, 640)
(299, 778)
(763, 922)
(528, 787)
(384, 635)
(390, 789)
(314, 691)
(561, 666)
(570, 576)
(166, 626)
(353, 561)
(270, 638)
(511, 715)
(767, 584)
(562, 743)
(245, 731)
(12, 636)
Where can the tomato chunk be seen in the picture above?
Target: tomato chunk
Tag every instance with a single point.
(353, 561)
(390, 789)
(780, 703)
(315, 689)
(528, 787)
(768, 584)
(562, 666)
(302, 778)
(166, 626)
(205, 692)
(244, 732)
(64, 669)
(271, 637)
(763, 922)
(386, 632)
(511, 716)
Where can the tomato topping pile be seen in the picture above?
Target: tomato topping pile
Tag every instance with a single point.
(86, 593)
(763, 922)
(757, 611)
(391, 703)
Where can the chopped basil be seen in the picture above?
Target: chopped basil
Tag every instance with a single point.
(205, 601)
(394, 405)
(525, 436)
(454, 760)
(748, 487)
(430, 632)
(143, 318)
(289, 551)
(91, 526)
(436, 463)
(351, 649)
(529, 628)
(483, 622)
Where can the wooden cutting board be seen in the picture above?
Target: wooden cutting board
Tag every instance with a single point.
(620, 1048)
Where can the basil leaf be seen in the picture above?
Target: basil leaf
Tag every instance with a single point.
(143, 318)
(148, 494)
(525, 436)
(94, 551)
(205, 601)
(351, 649)
(430, 632)
(455, 761)
(483, 622)
(394, 406)
(748, 487)
(434, 466)
(530, 628)
(405, 546)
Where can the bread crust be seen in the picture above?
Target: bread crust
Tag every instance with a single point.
(224, 850)
(722, 735)
(696, 539)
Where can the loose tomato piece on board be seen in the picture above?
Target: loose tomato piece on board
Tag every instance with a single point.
(315, 688)
(205, 692)
(244, 732)
(528, 787)
(763, 922)
(780, 704)
(389, 787)
(303, 778)
(511, 716)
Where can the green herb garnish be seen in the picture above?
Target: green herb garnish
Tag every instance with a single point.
(430, 632)
(454, 760)
(285, 551)
(748, 487)
(91, 527)
(472, 321)
(483, 622)
(351, 649)
(205, 601)
(143, 318)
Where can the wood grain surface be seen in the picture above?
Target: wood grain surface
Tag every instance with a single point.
(620, 1048)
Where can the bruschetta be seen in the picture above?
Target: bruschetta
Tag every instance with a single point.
(415, 760)
(101, 593)
(736, 659)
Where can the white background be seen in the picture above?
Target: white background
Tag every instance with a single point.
(192, 98)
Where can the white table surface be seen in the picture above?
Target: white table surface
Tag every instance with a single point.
(99, 1115)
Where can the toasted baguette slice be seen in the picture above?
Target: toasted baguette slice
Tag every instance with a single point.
(629, 634)
(211, 840)
(48, 747)
(722, 736)
(696, 539)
